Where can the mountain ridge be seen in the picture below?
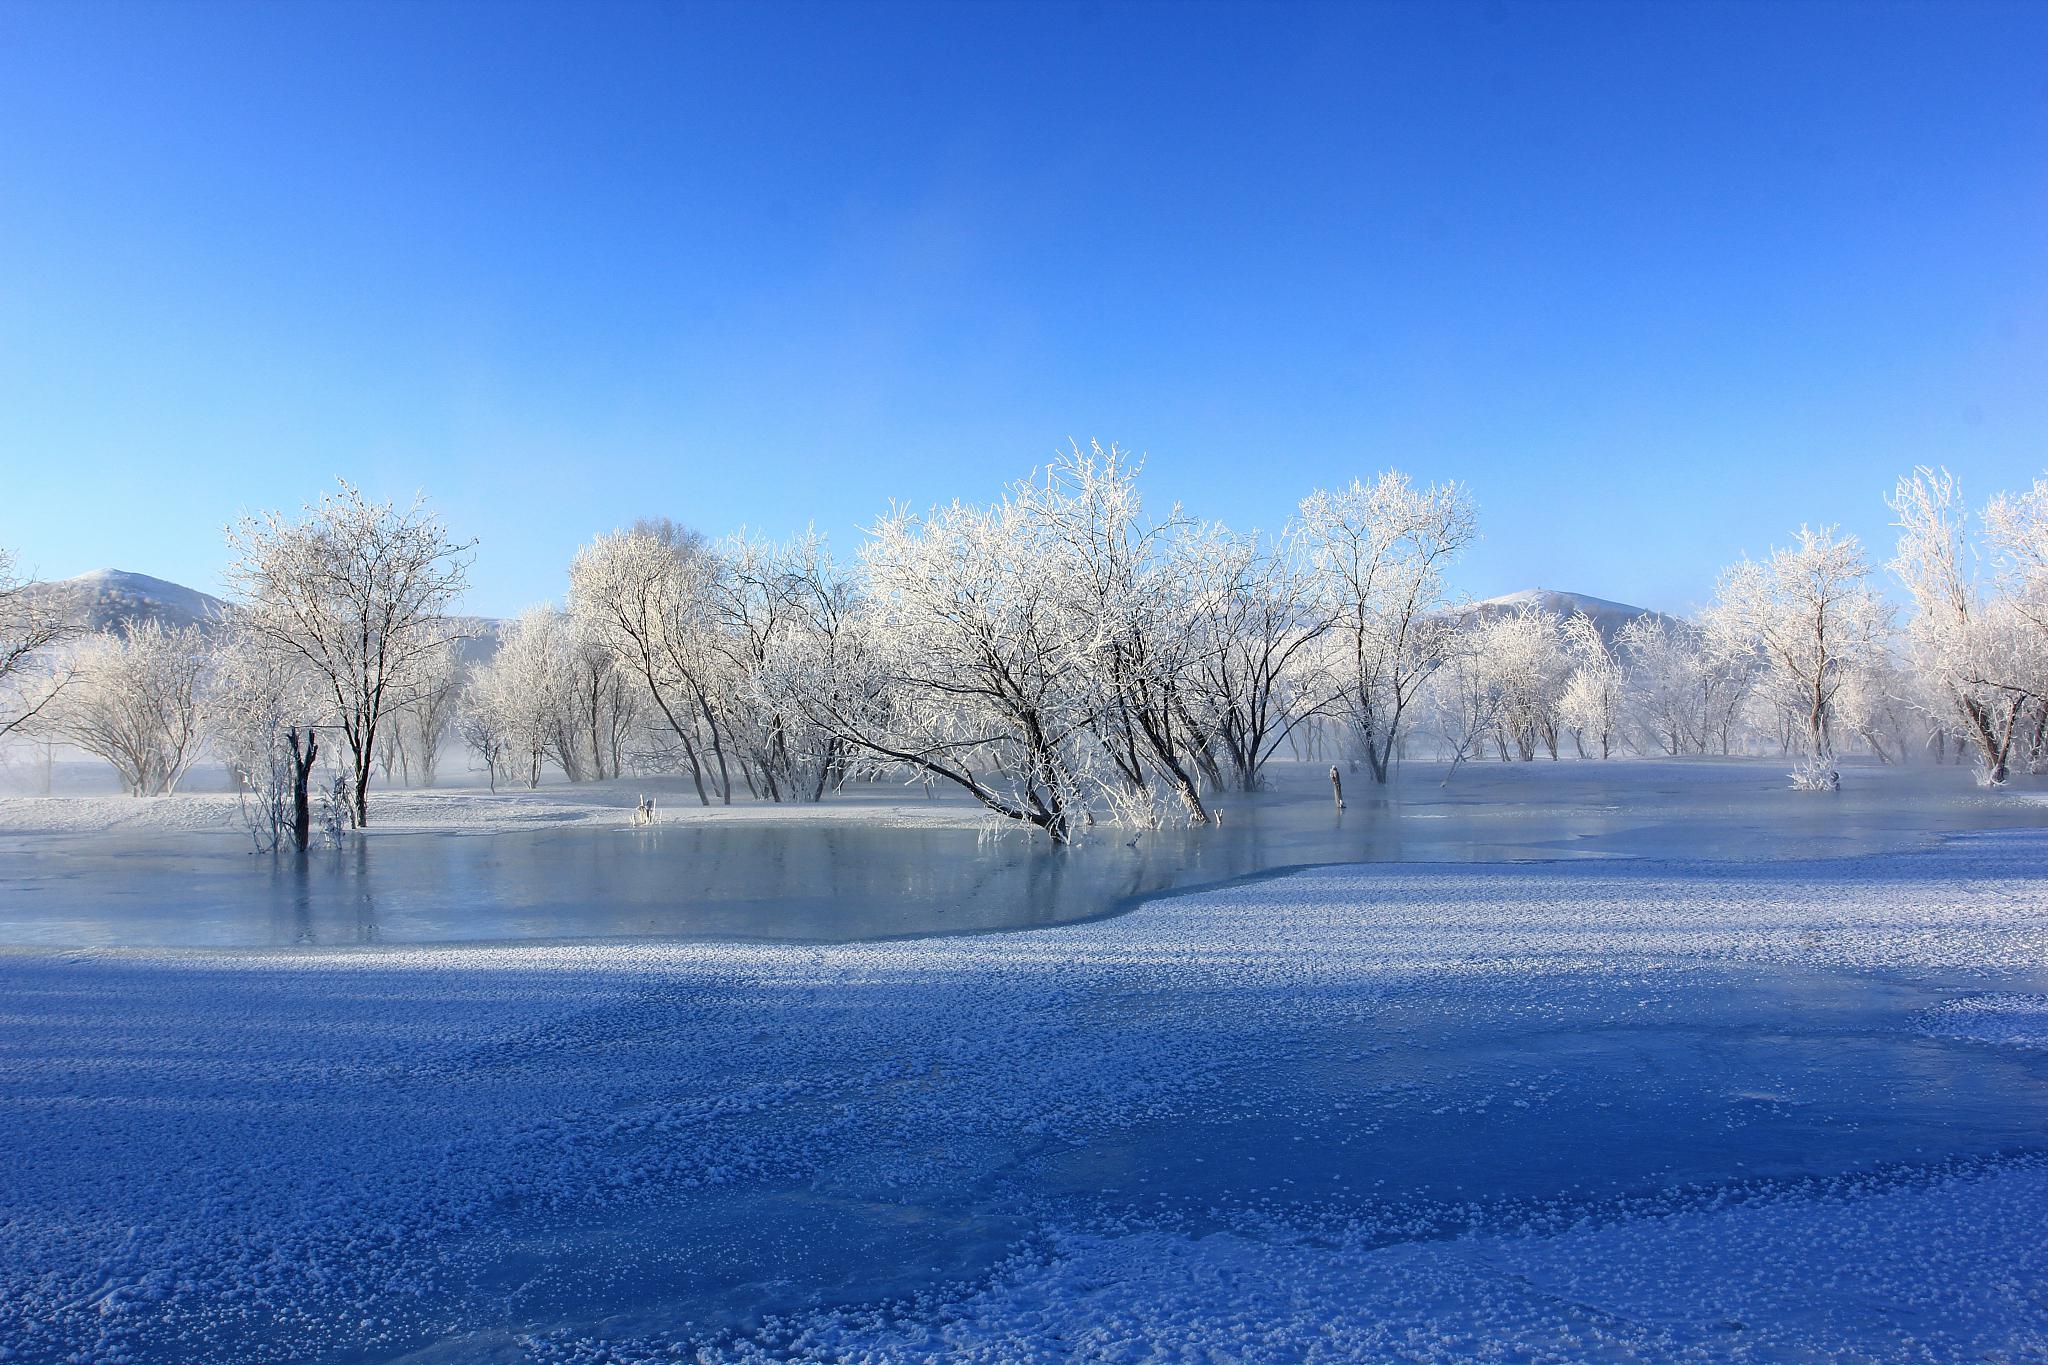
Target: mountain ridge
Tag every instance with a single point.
(1608, 616)
(108, 599)
(117, 599)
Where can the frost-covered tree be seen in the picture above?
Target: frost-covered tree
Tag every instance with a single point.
(2016, 524)
(1976, 644)
(523, 696)
(31, 674)
(1064, 648)
(1877, 704)
(1660, 657)
(819, 670)
(553, 693)
(699, 630)
(409, 746)
(973, 667)
(602, 706)
(430, 715)
(649, 594)
(1379, 552)
(360, 592)
(1687, 684)
(1251, 610)
(1814, 622)
(1464, 701)
(775, 606)
(1593, 703)
(137, 702)
(1524, 678)
(266, 711)
(1525, 652)
(477, 723)
(1111, 567)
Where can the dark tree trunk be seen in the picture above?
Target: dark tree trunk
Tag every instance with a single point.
(302, 771)
(362, 795)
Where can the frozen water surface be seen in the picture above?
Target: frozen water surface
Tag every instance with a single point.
(1736, 1102)
(834, 879)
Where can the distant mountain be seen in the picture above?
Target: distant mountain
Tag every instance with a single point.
(114, 598)
(109, 598)
(1607, 617)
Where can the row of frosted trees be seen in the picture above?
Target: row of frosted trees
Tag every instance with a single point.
(1061, 654)
(1058, 653)
(340, 645)
(1536, 682)
(1799, 654)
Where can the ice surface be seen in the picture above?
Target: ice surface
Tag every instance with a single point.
(564, 864)
(1570, 1110)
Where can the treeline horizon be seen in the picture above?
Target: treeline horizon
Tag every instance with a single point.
(1062, 653)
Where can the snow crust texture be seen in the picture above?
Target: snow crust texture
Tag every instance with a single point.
(1572, 1111)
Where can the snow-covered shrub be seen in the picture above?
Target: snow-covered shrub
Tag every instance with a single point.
(136, 701)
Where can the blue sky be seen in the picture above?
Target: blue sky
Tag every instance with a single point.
(1659, 281)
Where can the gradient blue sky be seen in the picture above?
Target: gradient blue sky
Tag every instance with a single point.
(1659, 281)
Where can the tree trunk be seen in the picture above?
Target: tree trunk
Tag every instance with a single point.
(302, 770)
(362, 796)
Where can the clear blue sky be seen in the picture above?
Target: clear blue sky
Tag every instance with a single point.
(1659, 281)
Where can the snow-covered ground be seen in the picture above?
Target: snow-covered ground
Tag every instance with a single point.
(87, 806)
(1593, 1110)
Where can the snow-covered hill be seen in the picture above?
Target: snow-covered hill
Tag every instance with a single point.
(110, 598)
(1607, 617)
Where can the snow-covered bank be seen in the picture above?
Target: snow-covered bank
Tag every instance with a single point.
(1595, 1110)
(477, 809)
(217, 812)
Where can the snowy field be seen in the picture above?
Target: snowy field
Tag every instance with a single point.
(1574, 1110)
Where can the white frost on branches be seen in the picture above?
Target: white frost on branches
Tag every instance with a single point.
(359, 593)
(31, 673)
(138, 702)
(1814, 622)
(1380, 551)
(1978, 646)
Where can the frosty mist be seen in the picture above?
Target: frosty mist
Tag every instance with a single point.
(1067, 654)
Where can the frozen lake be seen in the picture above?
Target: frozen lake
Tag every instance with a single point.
(1649, 1064)
(831, 876)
